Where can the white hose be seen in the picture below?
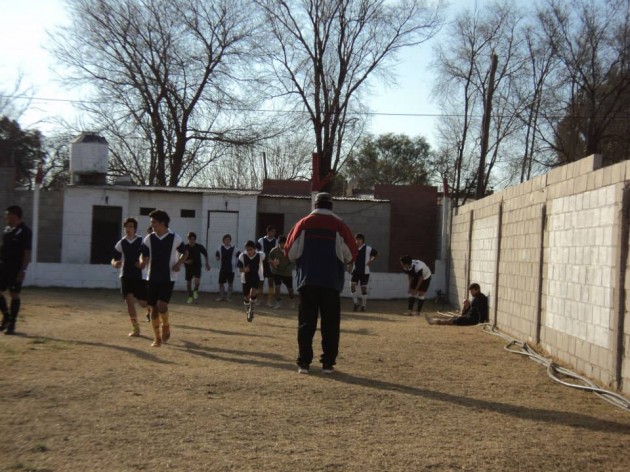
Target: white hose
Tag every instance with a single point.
(556, 372)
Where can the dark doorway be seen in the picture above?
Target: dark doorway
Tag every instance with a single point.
(273, 219)
(106, 231)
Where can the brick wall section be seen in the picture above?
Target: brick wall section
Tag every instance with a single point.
(286, 187)
(572, 219)
(362, 216)
(413, 222)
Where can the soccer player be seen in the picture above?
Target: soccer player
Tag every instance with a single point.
(127, 258)
(163, 252)
(15, 257)
(193, 266)
(250, 265)
(419, 279)
(361, 271)
(226, 255)
(266, 244)
(282, 270)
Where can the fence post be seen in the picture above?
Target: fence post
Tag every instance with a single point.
(496, 269)
(619, 302)
(541, 268)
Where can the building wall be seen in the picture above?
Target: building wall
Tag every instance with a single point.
(554, 251)
(413, 222)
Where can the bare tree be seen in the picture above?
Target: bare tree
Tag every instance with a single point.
(322, 52)
(463, 64)
(15, 100)
(591, 39)
(288, 157)
(167, 76)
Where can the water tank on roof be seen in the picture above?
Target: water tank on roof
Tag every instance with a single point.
(88, 159)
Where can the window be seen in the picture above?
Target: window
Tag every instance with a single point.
(144, 211)
(187, 213)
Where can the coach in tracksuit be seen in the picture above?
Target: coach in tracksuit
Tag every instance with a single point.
(321, 245)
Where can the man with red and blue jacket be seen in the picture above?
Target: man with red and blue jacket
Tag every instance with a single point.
(321, 245)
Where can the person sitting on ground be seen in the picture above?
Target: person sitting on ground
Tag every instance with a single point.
(472, 313)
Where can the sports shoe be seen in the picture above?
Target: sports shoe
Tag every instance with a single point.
(190, 300)
(156, 343)
(166, 333)
(219, 299)
(356, 307)
(250, 313)
(277, 306)
(327, 369)
(362, 308)
(302, 368)
(135, 332)
(196, 294)
(228, 299)
(148, 317)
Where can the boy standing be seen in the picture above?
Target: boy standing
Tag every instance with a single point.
(282, 269)
(225, 255)
(163, 252)
(127, 258)
(361, 271)
(419, 279)
(193, 266)
(250, 264)
(266, 244)
(14, 259)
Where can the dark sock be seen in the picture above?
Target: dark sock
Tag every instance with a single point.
(15, 308)
(420, 303)
(410, 301)
(3, 305)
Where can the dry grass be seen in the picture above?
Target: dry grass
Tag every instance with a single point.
(76, 394)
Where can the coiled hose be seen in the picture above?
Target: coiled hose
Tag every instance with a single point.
(557, 373)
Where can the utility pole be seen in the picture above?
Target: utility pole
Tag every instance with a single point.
(485, 130)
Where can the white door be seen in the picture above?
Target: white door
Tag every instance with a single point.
(221, 223)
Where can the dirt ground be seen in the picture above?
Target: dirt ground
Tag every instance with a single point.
(77, 394)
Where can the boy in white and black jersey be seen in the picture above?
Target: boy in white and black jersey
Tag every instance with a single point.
(163, 252)
(361, 271)
(226, 255)
(250, 265)
(127, 258)
(419, 279)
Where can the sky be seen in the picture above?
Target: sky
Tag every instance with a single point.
(402, 108)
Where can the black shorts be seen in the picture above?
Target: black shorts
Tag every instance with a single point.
(137, 287)
(9, 281)
(192, 271)
(159, 292)
(266, 270)
(413, 283)
(248, 286)
(361, 279)
(225, 276)
(287, 280)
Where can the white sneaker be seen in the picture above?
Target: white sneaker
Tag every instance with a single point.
(220, 299)
(277, 306)
(195, 294)
(302, 369)
(190, 300)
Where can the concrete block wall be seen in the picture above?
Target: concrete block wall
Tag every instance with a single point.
(562, 243)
